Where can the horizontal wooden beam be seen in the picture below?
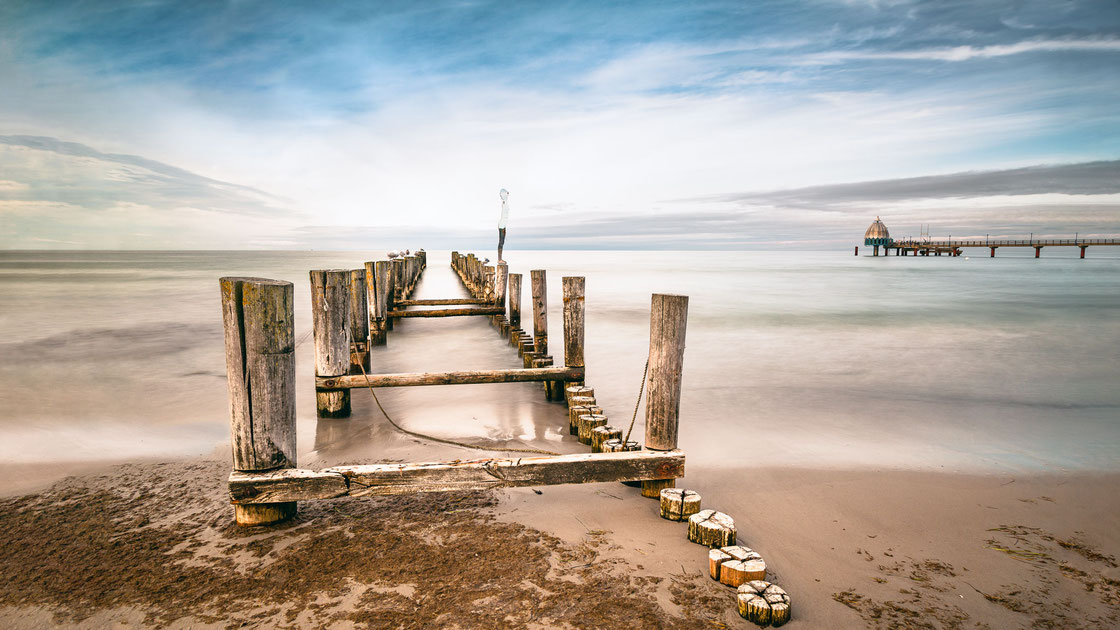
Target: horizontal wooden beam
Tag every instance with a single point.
(386, 479)
(440, 301)
(450, 312)
(406, 379)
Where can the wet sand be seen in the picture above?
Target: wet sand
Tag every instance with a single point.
(153, 545)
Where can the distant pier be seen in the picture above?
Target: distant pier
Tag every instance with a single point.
(877, 236)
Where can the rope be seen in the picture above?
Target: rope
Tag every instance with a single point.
(641, 388)
(433, 438)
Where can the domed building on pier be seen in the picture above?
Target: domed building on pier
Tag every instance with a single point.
(877, 234)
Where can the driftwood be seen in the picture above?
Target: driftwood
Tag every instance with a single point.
(388, 479)
(411, 379)
(711, 528)
(763, 603)
(678, 504)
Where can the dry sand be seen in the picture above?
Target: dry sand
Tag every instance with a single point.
(153, 545)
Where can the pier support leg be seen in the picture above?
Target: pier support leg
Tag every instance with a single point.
(993, 252)
(258, 316)
(359, 321)
(514, 305)
(539, 288)
(876, 251)
(330, 314)
(668, 319)
(1037, 252)
(1083, 248)
(382, 287)
(573, 329)
(857, 250)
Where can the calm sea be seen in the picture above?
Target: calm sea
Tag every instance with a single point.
(801, 358)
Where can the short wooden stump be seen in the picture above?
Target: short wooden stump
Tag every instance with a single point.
(617, 446)
(678, 504)
(763, 603)
(578, 389)
(600, 435)
(736, 565)
(586, 422)
(711, 528)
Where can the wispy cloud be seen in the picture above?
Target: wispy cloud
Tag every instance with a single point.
(404, 116)
(966, 53)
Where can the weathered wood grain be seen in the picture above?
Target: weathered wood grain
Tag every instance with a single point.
(514, 300)
(440, 301)
(389, 479)
(330, 314)
(258, 316)
(539, 287)
(573, 287)
(469, 377)
(668, 320)
(259, 321)
(448, 312)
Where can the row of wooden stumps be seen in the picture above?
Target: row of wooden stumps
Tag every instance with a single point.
(586, 421)
(731, 564)
(352, 310)
(758, 601)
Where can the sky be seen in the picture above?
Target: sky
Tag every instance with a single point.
(646, 125)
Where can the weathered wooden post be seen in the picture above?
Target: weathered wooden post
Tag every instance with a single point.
(359, 321)
(259, 321)
(330, 315)
(501, 284)
(398, 279)
(540, 310)
(668, 318)
(573, 287)
(379, 303)
(514, 307)
(488, 283)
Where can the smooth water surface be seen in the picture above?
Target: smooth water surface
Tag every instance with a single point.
(797, 358)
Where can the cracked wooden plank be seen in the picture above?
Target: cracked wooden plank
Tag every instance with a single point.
(469, 377)
(389, 479)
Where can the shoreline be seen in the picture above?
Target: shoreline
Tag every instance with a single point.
(853, 548)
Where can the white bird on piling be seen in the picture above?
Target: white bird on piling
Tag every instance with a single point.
(392, 255)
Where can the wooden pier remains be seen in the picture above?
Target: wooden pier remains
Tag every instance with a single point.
(353, 310)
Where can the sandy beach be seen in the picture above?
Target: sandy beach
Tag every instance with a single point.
(154, 545)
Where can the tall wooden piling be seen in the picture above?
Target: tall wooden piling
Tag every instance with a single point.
(514, 306)
(540, 310)
(259, 321)
(573, 288)
(359, 320)
(501, 283)
(398, 279)
(668, 319)
(379, 303)
(330, 315)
